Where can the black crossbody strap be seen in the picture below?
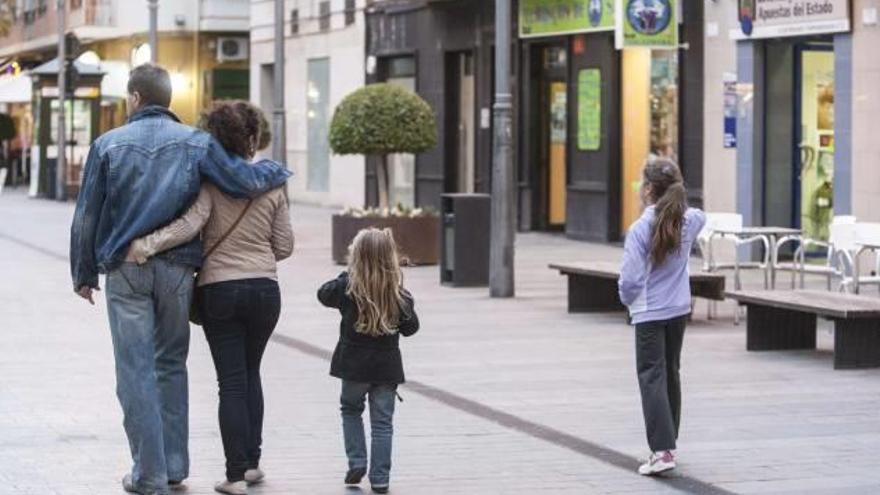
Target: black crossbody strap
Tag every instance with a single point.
(231, 229)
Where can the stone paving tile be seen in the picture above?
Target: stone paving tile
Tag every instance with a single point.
(781, 422)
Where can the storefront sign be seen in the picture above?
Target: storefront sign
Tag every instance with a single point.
(554, 17)
(589, 103)
(647, 24)
(776, 18)
(730, 103)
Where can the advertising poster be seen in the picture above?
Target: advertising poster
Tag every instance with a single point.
(778, 18)
(553, 17)
(731, 99)
(589, 109)
(647, 24)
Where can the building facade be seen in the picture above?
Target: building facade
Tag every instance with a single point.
(800, 83)
(444, 52)
(587, 114)
(203, 43)
(591, 113)
(324, 61)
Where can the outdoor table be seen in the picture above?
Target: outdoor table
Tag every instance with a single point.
(861, 248)
(772, 234)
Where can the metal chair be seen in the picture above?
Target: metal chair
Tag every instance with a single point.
(866, 233)
(841, 238)
(730, 222)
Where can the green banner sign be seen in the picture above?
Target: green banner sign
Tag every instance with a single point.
(553, 17)
(589, 103)
(647, 24)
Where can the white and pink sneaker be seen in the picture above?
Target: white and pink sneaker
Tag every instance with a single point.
(659, 462)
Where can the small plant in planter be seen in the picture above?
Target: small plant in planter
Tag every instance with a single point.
(381, 120)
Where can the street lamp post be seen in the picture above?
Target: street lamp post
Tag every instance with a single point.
(154, 30)
(279, 132)
(61, 142)
(501, 273)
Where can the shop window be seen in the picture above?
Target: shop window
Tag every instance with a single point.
(294, 21)
(350, 11)
(43, 7)
(75, 4)
(664, 103)
(318, 116)
(230, 84)
(324, 16)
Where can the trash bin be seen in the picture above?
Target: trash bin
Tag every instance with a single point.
(464, 261)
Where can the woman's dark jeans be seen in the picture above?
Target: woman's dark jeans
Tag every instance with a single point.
(239, 317)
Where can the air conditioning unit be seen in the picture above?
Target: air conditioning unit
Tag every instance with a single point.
(231, 49)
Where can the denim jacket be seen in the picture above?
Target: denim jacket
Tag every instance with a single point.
(143, 175)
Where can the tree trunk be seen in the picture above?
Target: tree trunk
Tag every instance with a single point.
(382, 180)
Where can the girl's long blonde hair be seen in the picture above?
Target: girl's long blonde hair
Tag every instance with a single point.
(375, 282)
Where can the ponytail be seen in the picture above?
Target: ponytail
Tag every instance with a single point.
(670, 205)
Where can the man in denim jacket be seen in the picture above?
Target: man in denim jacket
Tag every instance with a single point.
(138, 178)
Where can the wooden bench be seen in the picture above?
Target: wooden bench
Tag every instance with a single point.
(592, 286)
(787, 320)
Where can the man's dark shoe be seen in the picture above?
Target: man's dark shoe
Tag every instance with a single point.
(128, 484)
(380, 488)
(355, 475)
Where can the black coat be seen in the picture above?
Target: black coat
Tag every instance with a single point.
(359, 357)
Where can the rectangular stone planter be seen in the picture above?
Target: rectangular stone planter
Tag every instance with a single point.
(417, 238)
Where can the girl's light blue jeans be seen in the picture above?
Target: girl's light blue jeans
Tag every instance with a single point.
(381, 398)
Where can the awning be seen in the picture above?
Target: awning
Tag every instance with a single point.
(50, 68)
(16, 89)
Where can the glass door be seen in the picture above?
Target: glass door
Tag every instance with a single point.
(814, 190)
(558, 140)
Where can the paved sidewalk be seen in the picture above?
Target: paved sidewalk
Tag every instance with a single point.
(506, 396)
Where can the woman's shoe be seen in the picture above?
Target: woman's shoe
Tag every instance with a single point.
(354, 476)
(231, 487)
(659, 462)
(254, 476)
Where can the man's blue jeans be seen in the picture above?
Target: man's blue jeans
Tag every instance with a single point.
(148, 307)
(381, 399)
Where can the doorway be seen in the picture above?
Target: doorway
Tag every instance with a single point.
(461, 124)
(401, 71)
(799, 138)
(552, 134)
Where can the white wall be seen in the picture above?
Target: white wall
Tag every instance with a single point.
(719, 163)
(866, 108)
(345, 47)
(216, 15)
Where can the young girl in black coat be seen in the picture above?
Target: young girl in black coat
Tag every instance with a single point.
(375, 310)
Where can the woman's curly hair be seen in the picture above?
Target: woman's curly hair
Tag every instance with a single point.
(236, 124)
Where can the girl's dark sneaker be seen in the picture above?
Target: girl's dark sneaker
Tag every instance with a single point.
(380, 488)
(355, 475)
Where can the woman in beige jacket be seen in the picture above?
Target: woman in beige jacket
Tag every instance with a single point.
(240, 299)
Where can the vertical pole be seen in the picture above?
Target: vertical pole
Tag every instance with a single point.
(154, 30)
(279, 131)
(501, 275)
(61, 142)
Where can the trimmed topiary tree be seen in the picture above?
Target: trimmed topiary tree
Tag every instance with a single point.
(382, 119)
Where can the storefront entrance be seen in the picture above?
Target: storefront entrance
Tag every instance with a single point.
(799, 137)
(650, 119)
(550, 98)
